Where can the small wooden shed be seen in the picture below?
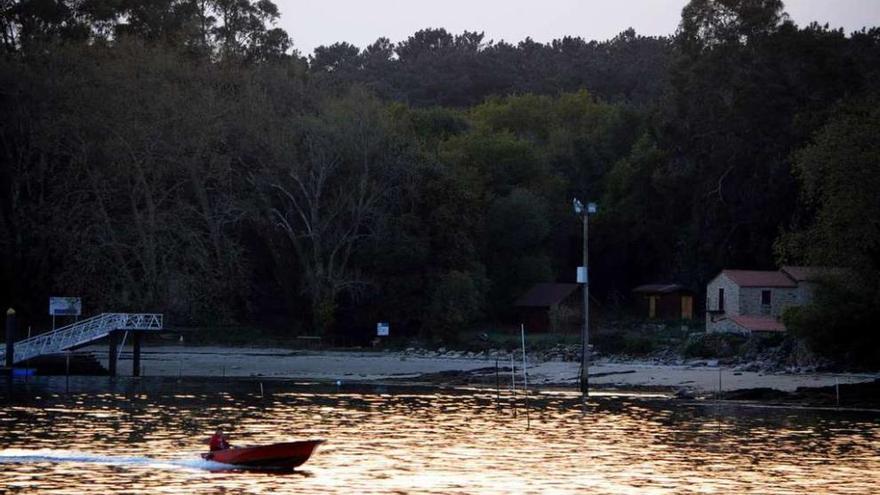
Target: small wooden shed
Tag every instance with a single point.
(536, 307)
(665, 301)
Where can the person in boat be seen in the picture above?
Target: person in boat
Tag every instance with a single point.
(219, 441)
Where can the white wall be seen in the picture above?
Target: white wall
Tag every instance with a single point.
(731, 304)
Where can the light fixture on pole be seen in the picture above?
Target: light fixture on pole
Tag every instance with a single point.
(583, 278)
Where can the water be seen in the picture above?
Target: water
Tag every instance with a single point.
(145, 436)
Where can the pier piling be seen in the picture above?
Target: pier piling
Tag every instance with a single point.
(113, 352)
(10, 338)
(136, 354)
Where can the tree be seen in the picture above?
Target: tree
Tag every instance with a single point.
(839, 177)
(334, 58)
(326, 189)
(519, 228)
(707, 24)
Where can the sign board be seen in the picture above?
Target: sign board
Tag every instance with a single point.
(65, 306)
(382, 328)
(582, 275)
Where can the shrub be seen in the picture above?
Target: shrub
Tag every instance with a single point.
(713, 345)
(638, 344)
(841, 322)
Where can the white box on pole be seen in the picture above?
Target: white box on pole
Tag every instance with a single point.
(382, 328)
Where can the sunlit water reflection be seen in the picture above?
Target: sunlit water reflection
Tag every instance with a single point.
(145, 436)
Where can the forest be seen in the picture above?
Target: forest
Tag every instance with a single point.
(181, 156)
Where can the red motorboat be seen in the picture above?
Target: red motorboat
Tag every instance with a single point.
(275, 456)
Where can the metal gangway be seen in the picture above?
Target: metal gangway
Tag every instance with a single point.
(81, 333)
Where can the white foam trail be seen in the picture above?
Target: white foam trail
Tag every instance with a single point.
(58, 456)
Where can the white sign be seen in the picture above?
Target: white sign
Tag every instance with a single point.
(582, 275)
(382, 328)
(65, 306)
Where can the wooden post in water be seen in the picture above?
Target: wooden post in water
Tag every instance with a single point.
(522, 329)
(113, 351)
(837, 389)
(180, 359)
(67, 372)
(497, 385)
(513, 384)
(136, 354)
(10, 339)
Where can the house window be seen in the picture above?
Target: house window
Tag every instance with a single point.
(720, 299)
(765, 302)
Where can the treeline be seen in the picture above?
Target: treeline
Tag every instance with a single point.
(179, 156)
(434, 67)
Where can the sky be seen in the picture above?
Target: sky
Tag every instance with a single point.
(313, 23)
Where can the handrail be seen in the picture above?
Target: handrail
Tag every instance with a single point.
(83, 332)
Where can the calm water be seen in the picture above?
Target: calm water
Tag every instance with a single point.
(145, 437)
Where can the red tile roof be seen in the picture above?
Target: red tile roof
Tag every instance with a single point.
(545, 295)
(759, 278)
(811, 273)
(661, 288)
(759, 323)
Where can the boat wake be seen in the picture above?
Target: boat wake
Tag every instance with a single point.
(24, 456)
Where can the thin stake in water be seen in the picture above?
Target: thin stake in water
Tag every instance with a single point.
(497, 385)
(525, 375)
(513, 384)
(67, 372)
(837, 389)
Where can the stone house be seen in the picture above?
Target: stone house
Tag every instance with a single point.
(747, 301)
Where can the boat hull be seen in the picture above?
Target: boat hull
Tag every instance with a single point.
(275, 456)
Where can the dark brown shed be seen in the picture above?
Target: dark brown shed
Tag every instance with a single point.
(544, 300)
(665, 301)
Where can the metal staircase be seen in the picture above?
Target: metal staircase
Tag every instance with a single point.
(81, 333)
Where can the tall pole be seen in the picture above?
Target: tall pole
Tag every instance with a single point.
(585, 337)
(10, 337)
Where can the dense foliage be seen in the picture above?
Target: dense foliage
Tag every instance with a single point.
(179, 156)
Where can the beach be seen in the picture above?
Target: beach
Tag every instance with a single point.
(700, 377)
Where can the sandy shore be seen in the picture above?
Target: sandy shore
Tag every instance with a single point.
(350, 367)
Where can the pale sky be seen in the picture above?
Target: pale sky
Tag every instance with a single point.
(313, 23)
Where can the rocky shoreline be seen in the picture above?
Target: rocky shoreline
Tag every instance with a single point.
(774, 360)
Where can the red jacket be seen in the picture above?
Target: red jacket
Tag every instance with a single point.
(218, 442)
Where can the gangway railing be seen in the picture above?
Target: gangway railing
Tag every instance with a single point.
(81, 333)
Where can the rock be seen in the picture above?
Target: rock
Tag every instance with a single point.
(684, 393)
